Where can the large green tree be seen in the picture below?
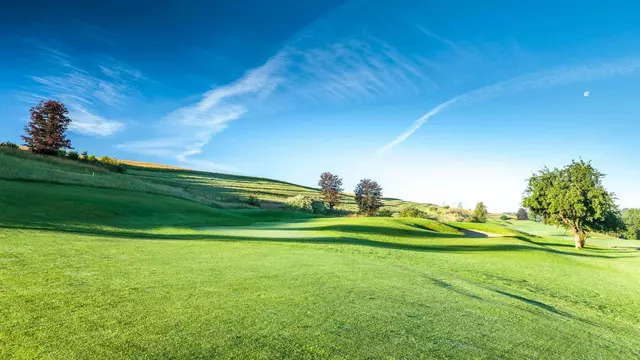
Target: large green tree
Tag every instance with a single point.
(331, 186)
(573, 197)
(631, 219)
(368, 196)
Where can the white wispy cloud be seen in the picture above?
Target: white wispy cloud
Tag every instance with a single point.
(417, 124)
(354, 70)
(347, 70)
(88, 123)
(83, 92)
(195, 124)
(457, 48)
(556, 77)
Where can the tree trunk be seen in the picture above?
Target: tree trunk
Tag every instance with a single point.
(579, 239)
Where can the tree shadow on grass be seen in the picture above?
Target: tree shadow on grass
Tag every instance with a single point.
(535, 303)
(543, 306)
(474, 234)
(422, 232)
(334, 240)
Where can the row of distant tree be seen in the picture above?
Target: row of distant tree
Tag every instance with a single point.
(368, 194)
(572, 197)
(368, 197)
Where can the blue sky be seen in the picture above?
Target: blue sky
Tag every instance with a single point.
(439, 102)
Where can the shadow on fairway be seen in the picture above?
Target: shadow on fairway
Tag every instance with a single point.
(413, 232)
(334, 240)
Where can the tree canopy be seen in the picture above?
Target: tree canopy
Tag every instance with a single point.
(368, 196)
(522, 214)
(573, 197)
(631, 219)
(480, 213)
(46, 132)
(331, 186)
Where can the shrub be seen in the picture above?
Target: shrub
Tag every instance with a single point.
(318, 207)
(522, 214)
(108, 161)
(385, 212)
(120, 168)
(73, 155)
(480, 213)
(85, 155)
(300, 203)
(411, 211)
(91, 158)
(253, 200)
(61, 153)
(504, 217)
(9, 144)
(111, 164)
(451, 217)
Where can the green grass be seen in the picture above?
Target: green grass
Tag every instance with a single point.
(24, 166)
(90, 272)
(539, 229)
(213, 189)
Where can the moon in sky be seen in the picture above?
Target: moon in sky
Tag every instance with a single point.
(587, 93)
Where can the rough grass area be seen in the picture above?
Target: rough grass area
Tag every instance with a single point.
(104, 273)
(25, 166)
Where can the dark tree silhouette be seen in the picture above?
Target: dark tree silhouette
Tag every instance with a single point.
(368, 196)
(46, 132)
(522, 214)
(331, 186)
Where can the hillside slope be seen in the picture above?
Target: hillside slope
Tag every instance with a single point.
(214, 189)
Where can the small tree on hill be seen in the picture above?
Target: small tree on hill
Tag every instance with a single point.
(46, 132)
(331, 186)
(522, 214)
(573, 197)
(480, 213)
(368, 196)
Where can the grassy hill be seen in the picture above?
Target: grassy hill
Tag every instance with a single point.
(214, 189)
(169, 264)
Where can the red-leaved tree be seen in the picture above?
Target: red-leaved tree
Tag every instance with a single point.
(331, 186)
(46, 132)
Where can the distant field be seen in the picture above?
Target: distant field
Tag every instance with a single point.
(143, 164)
